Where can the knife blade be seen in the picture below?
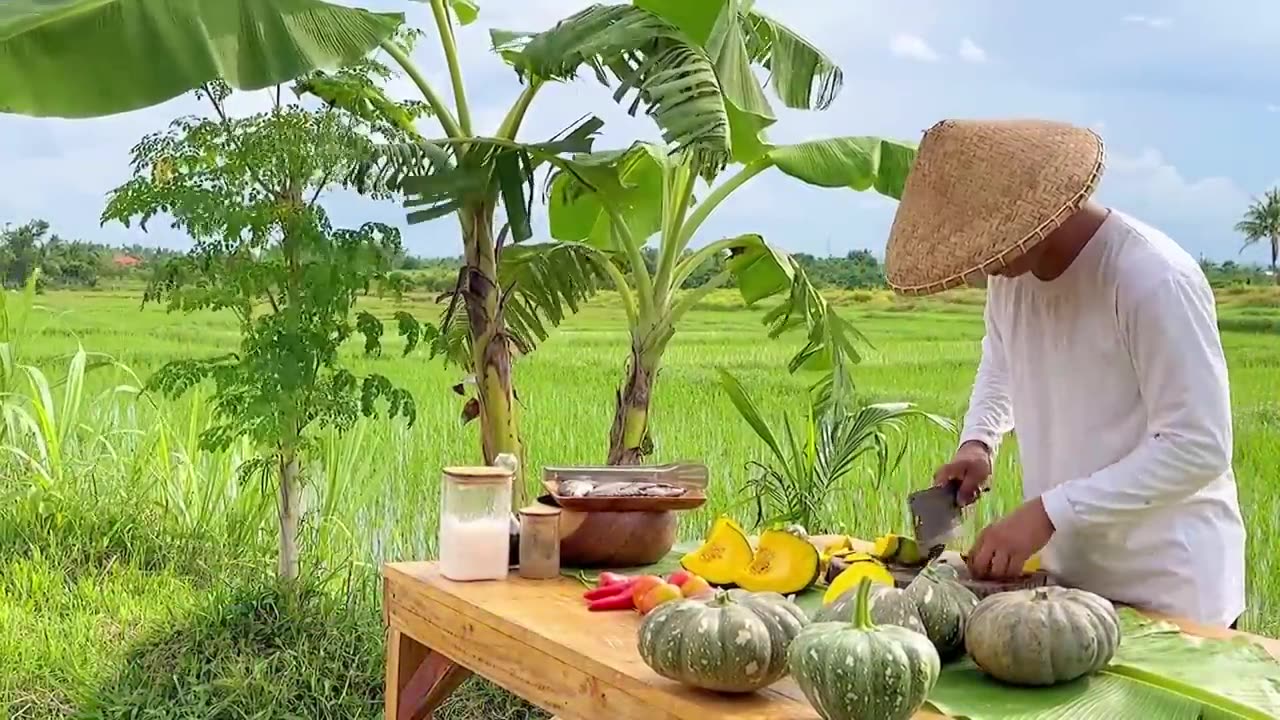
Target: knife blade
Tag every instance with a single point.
(936, 514)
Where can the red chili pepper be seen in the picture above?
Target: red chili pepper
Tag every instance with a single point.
(610, 590)
(621, 601)
(611, 578)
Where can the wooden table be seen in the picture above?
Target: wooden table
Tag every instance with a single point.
(536, 639)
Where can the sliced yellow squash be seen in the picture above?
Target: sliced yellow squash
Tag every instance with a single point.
(860, 566)
(723, 556)
(784, 562)
(898, 549)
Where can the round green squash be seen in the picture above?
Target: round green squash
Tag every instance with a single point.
(862, 671)
(889, 606)
(734, 642)
(1041, 637)
(944, 606)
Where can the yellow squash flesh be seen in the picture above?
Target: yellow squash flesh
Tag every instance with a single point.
(784, 562)
(861, 565)
(722, 557)
(898, 549)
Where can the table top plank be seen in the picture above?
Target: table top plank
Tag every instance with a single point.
(537, 639)
(548, 619)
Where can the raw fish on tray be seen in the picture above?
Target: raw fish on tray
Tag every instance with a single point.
(576, 488)
(583, 488)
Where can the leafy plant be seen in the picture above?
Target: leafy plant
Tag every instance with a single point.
(247, 190)
(89, 58)
(814, 459)
(607, 205)
(657, 52)
(1261, 223)
(609, 212)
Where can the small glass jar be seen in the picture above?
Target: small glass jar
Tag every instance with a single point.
(540, 542)
(475, 523)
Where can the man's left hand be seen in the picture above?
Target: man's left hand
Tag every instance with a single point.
(1003, 547)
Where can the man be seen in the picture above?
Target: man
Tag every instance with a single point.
(1102, 347)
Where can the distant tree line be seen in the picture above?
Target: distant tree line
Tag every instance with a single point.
(67, 262)
(79, 264)
(856, 270)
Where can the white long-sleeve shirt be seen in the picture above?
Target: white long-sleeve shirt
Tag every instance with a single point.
(1115, 375)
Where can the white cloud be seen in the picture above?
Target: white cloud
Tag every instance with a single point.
(1151, 21)
(1198, 213)
(970, 51)
(1273, 107)
(912, 47)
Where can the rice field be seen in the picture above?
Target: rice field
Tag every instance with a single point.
(117, 529)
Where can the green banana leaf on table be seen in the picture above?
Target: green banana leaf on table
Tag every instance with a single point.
(1159, 673)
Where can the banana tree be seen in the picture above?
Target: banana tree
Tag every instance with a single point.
(649, 190)
(657, 54)
(652, 194)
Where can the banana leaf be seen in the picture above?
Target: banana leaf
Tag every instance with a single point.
(88, 58)
(1158, 672)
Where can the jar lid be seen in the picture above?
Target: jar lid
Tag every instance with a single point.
(540, 510)
(478, 474)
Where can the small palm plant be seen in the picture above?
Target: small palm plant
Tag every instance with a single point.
(814, 460)
(1261, 223)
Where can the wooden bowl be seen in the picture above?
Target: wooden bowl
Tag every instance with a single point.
(613, 539)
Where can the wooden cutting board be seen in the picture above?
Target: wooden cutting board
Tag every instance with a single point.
(904, 574)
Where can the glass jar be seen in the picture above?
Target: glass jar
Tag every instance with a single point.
(540, 542)
(475, 523)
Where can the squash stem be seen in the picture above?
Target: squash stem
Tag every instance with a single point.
(862, 607)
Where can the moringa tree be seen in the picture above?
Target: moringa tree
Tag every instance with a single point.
(1261, 223)
(248, 191)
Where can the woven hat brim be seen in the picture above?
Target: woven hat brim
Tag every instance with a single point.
(927, 192)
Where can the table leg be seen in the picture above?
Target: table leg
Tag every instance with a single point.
(418, 678)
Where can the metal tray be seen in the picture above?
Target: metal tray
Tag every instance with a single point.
(691, 476)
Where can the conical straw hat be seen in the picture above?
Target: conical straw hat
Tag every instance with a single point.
(981, 193)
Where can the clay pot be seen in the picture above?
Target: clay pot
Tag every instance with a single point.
(614, 539)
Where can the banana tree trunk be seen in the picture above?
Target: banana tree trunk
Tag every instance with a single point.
(490, 345)
(290, 513)
(629, 440)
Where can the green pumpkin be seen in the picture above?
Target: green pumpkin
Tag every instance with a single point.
(734, 642)
(860, 671)
(1045, 636)
(889, 606)
(944, 606)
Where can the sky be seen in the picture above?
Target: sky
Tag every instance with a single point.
(1183, 92)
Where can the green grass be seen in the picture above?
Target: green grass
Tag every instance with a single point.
(134, 569)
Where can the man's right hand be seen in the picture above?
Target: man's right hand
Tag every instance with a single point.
(971, 467)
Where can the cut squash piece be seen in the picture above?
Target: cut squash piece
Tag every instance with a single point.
(784, 562)
(724, 555)
(830, 545)
(1032, 565)
(898, 549)
(860, 566)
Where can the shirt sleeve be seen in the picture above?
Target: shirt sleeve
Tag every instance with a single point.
(990, 414)
(1171, 333)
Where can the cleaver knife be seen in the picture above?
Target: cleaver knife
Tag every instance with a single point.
(936, 515)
